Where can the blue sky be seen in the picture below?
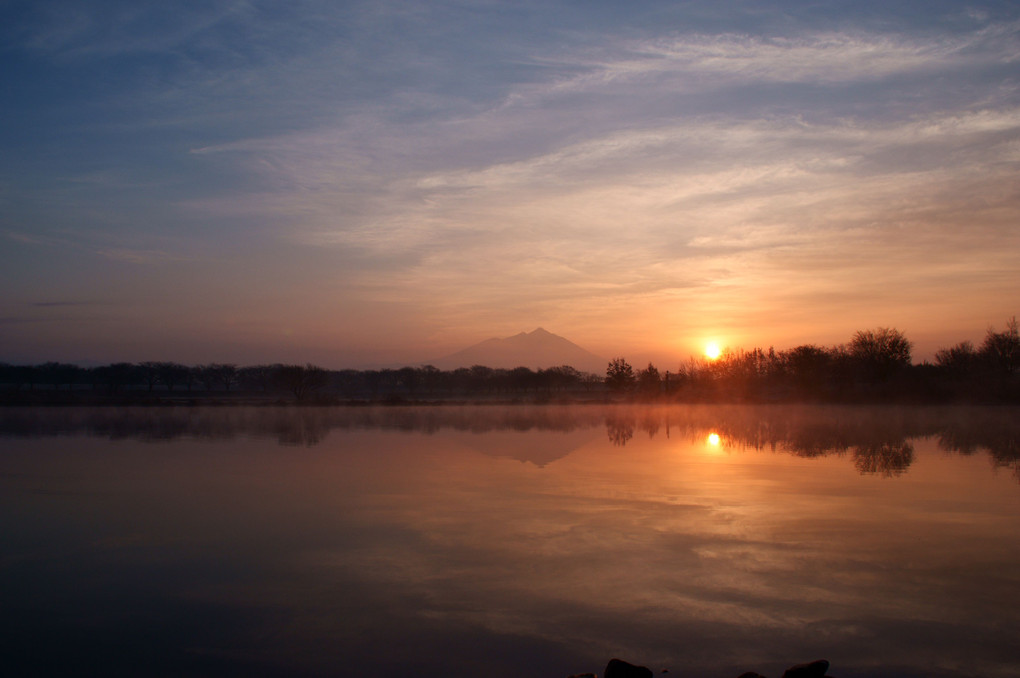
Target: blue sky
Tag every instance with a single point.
(385, 182)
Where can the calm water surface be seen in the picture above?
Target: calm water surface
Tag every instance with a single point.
(519, 541)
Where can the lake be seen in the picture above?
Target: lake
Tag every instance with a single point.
(509, 541)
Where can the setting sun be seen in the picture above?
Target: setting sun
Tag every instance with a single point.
(713, 351)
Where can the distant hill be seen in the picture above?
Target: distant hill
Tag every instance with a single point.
(538, 349)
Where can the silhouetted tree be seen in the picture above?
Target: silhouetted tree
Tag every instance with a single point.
(388, 382)
(256, 377)
(206, 374)
(591, 381)
(170, 374)
(348, 383)
(479, 376)
(59, 374)
(522, 379)
(301, 381)
(149, 373)
(24, 375)
(1001, 350)
(880, 353)
(410, 379)
(189, 377)
(117, 376)
(806, 367)
(431, 378)
(226, 374)
(959, 360)
(458, 380)
(217, 374)
(371, 382)
(687, 373)
(649, 382)
(562, 377)
(619, 375)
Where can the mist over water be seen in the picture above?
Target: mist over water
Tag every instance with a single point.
(509, 541)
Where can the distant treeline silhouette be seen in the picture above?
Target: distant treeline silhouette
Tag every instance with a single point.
(226, 382)
(875, 365)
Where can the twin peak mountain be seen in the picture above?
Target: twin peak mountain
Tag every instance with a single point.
(536, 350)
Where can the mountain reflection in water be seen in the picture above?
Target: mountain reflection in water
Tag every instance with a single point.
(876, 439)
(508, 541)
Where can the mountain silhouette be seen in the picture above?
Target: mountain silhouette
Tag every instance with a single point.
(538, 349)
(536, 447)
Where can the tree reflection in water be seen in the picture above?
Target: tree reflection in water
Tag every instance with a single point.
(620, 429)
(891, 459)
(877, 439)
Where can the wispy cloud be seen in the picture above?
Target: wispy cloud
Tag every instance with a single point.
(140, 256)
(33, 238)
(60, 304)
(643, 210)
(820, 58)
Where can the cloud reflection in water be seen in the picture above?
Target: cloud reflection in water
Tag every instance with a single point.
(460, 541)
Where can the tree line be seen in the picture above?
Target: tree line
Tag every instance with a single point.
(302, 383)
(874, 365)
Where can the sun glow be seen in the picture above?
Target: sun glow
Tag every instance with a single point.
(712, 351)
(713, 439)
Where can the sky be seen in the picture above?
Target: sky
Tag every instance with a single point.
(381, 183)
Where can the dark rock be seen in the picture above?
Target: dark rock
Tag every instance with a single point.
(750, 674)
(815, 669)
(617, 668)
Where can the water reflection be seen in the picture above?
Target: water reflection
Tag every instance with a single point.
(507, 542)
(886, 459)
(289, 425)
(876, 440)
(619, 428)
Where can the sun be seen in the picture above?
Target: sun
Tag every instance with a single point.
(713, 351)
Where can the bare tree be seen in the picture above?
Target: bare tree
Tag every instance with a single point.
(226, 373)
(149, 372)
(256, 377)
(170, 374)
(1002, 349)
(302, 381)
(957, 360)
(880, 352)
